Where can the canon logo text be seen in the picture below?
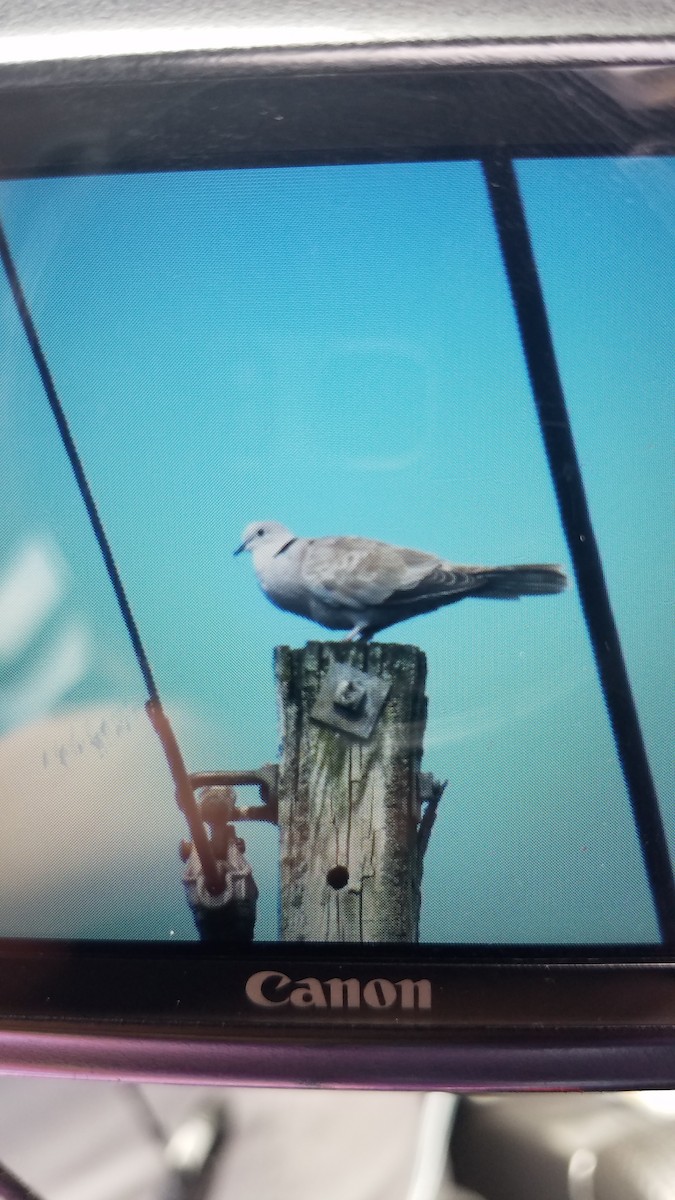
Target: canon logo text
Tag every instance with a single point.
(273, 989)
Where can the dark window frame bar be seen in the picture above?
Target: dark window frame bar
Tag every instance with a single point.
(537, 342)
(49, 388)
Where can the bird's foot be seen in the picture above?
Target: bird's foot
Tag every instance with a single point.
(358, 634)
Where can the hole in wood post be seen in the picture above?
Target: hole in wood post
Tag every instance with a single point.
(337, 877)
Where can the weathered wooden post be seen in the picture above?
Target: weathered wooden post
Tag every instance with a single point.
(352, 832)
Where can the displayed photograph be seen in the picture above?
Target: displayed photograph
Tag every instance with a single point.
(295, 644)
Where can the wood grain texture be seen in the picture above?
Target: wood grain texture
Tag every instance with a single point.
(349, 803)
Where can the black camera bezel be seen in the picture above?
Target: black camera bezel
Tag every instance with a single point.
(502, 1016)
(498, 1019)
(199, 111)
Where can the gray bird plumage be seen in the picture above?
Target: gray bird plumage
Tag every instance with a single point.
(364, 586)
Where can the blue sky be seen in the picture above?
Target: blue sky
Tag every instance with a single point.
(335, 348)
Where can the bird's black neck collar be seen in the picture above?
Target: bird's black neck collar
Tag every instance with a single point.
(285, 546)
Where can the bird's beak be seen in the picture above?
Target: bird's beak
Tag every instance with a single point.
(239, 549)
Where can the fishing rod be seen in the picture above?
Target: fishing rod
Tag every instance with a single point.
(185, 797)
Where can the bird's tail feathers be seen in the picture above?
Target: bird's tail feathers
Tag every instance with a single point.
(529, 579)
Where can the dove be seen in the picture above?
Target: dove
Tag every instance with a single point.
(364, 586)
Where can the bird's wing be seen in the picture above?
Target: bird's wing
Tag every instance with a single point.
(353, 572)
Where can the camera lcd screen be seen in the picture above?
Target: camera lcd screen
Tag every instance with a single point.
(301, 353)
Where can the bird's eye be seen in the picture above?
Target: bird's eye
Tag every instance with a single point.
(260, 532)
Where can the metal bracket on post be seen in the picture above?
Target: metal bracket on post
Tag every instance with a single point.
(264, 778)
(350, 700)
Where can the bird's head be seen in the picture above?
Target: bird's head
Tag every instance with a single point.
(271, 536)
